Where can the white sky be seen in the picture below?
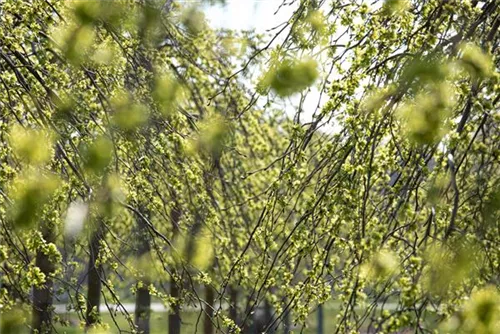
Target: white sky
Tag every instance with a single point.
(260, 15)
(248, 14)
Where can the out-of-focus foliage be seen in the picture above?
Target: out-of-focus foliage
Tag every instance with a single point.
(29, 193)
(137, 159)
(479, 314)
(291, 76)
(34, 146)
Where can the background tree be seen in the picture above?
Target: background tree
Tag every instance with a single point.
(142, 159)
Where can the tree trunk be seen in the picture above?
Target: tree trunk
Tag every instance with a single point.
(269, 316)
(143, 309)
(263, 317)
(320, 319)
(233, 307)
(287, 324)
(94, 279)
(174, 319)
(208, 327)
(143, 297)
(42, 295)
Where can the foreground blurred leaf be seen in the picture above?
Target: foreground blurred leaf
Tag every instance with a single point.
(291, 76)
(392, 7)
(13, 321)
(380, 266)
(479, 315)
(35, 146)
(98, 155)
(166, 93)
(212, 134)
(128, 115)
(424, 117)
(448, 266)
(475, 61)
(29, 194)
(75, 43)
(194, 20)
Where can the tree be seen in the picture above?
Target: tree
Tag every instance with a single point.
(140, 162)
(404, 91)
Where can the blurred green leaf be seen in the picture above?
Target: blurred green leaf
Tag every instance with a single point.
(291, 76)
(166, 93)
(475, 61)
(128, 115)
(29, 194)
(13, 321)
(32, 145)
(424, 117)
(380, 266)
(98, 155)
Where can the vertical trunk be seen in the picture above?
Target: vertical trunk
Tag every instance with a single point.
(42, 295)
(143, 309)
(263, 317)
(320, 319)
(287, 325)
(248, 317)
(174, 319)
(233, 307)
(259, 321)
(268, 316)
(94, 279)
(143, 297)
(208, 327)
